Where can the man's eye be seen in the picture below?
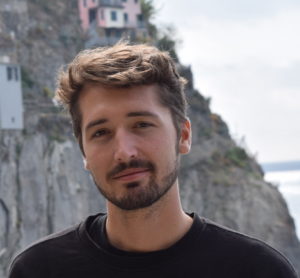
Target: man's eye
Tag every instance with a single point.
(100, 133)
(143, 125)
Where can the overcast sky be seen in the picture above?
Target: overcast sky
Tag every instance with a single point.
(245, 55)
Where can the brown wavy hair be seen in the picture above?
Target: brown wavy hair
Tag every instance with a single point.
(122, 66)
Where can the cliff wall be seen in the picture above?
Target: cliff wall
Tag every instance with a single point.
(43, 187)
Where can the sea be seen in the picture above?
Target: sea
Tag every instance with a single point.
(288, 183)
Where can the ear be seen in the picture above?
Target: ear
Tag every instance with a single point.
(85, 163)
(185, 140)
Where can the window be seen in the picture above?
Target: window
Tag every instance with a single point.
(140, 21)
(125, 17)
(124, 0)
(139, 17)
(113, 15)
(84, 3)
(12, 73)
(9, 73)
(92, 15)
(135, 1)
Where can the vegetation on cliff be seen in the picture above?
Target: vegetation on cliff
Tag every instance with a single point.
(43, 187)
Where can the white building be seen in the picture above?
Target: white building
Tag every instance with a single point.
(11, 106)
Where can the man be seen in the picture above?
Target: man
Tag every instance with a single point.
(129, 116)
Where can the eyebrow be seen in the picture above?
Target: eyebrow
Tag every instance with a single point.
(130, 114)
(96, 122)
(142, 113)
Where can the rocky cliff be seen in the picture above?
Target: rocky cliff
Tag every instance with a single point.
(43, 187)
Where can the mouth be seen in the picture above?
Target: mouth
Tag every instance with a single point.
(132, 174)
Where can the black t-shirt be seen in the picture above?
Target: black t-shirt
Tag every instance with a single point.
(206, 250)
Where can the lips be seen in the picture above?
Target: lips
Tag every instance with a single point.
(131, 174)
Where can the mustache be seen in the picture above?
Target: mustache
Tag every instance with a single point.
(136, 163)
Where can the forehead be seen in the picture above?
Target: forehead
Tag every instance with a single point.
(102, 96)
(96, 100)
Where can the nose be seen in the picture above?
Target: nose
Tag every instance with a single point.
(125, 146)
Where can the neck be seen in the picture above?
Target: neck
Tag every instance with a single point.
(149, 229)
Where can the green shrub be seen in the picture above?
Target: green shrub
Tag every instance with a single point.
(237, 156)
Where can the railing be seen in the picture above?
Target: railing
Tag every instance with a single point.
(111, 3)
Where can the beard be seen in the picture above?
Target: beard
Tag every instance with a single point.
(138, 198)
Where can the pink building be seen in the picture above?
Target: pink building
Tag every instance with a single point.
(118, 14)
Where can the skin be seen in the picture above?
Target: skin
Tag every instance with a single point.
(118, 127)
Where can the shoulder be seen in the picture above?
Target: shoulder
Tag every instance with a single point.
(45, 254)
(261, 259)
(39, 256)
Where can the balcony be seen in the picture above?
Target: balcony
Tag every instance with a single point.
(111, 3)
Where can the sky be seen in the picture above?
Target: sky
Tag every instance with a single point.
(245, 56)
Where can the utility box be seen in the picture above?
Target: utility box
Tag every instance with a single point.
(11, 103)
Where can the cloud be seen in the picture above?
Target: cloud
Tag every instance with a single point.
(225, 10)
(248, 61)
(273, 40)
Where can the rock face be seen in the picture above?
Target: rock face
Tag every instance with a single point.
(223, 183)
(43, 186)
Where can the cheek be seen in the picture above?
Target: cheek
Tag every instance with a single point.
(164, 148)
(158, 146)
(97, 161)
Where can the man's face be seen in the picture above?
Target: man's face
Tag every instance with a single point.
(130, 144)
